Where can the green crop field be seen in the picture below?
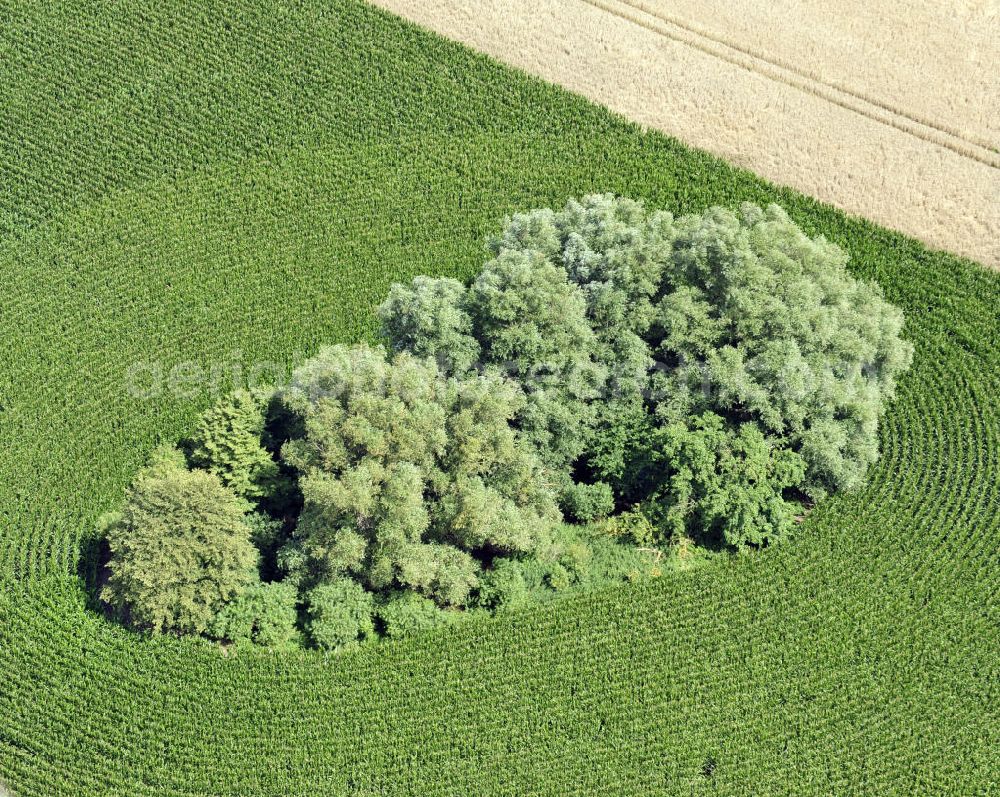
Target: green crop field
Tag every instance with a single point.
(216, 182)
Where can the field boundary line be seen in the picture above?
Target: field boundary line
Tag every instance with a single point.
(636, 12)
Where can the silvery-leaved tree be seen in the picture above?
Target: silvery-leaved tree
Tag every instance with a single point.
(709, 368)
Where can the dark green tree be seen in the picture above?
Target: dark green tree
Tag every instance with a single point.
(180, 549)
(228, 443)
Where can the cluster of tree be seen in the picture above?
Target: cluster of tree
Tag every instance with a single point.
(710, 369)
(696, 379)
(373, 495)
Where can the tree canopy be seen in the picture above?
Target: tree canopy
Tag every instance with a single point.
(180, 548)
(406, 472)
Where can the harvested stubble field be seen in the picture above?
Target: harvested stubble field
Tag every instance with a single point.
(180, 184)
